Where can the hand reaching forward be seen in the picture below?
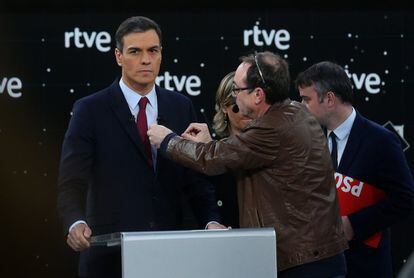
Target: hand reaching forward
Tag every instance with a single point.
(157, 133)
(197, 132)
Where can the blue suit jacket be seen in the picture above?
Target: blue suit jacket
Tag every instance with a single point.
(373, 155)
(105, 179)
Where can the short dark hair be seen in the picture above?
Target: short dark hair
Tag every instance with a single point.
(135, 24)
(275, 73)
(326, 77)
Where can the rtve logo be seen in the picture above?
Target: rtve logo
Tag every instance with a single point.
(370, 81)
(12, 86)
(192, 83)
(259, 37)
(101, 40)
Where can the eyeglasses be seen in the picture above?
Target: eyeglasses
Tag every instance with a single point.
(235, 91)
(258, 68)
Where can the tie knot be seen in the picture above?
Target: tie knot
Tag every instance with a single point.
(143, 103)
(332, 135)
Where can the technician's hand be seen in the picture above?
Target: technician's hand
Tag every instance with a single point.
(197, 132)
(349, 231)
(79, 236)
(157, 133)
(215, 226)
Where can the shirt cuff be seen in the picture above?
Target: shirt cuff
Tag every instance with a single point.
(211, 222)
(76, 223)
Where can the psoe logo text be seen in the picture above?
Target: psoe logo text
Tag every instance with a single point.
(12, 86)
(102, 40)
(259, 37)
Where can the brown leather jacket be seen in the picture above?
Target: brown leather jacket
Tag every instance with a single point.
(285, 180)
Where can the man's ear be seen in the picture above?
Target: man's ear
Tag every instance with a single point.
(260, 95)
(331, 98)
(118, 56)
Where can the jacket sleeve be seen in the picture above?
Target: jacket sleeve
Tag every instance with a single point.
(394, 177)
(249, 150)
(75, 167)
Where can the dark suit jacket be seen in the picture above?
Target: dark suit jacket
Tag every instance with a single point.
(226, 193)
(105, 179)
(373, 155)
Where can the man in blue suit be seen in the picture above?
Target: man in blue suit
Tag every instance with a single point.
(365, 151)
(110, 178)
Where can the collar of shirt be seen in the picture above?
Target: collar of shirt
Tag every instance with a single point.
(342, 133)
(133, 98)
(151, 110)
(343, 130)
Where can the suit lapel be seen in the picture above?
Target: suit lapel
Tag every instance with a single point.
(164, 118)
(124, 116)
(164, 108)
(352, 145)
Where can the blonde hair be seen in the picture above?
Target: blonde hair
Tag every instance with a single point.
(223, 99)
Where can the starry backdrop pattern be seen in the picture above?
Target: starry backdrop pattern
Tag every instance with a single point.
(49, 62)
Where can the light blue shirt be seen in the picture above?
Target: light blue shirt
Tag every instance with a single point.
(342, 134)
(151, 110)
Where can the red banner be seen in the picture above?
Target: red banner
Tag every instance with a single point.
(354, 195)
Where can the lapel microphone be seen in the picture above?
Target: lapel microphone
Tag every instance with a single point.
(235, 109)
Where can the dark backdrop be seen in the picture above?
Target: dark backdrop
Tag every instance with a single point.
(40, 78)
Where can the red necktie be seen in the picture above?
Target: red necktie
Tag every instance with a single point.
(143, 128)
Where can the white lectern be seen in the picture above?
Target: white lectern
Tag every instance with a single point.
(238, 253)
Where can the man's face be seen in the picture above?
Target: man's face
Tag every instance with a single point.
(312, 102)
(245, 99)
(236, 119)
(140, 60)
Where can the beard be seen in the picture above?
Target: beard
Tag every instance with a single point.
(246, 112)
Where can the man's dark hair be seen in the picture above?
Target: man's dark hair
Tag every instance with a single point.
(135, 24)
(326, 77)
(270, 72)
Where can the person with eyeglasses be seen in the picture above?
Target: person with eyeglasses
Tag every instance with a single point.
(366, 152)
(227, 121)
(284, 171)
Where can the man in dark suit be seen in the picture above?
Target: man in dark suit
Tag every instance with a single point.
(110, 178)
(367, 152)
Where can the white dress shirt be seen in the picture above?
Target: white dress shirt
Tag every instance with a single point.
(342, 134)
(151, 109)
